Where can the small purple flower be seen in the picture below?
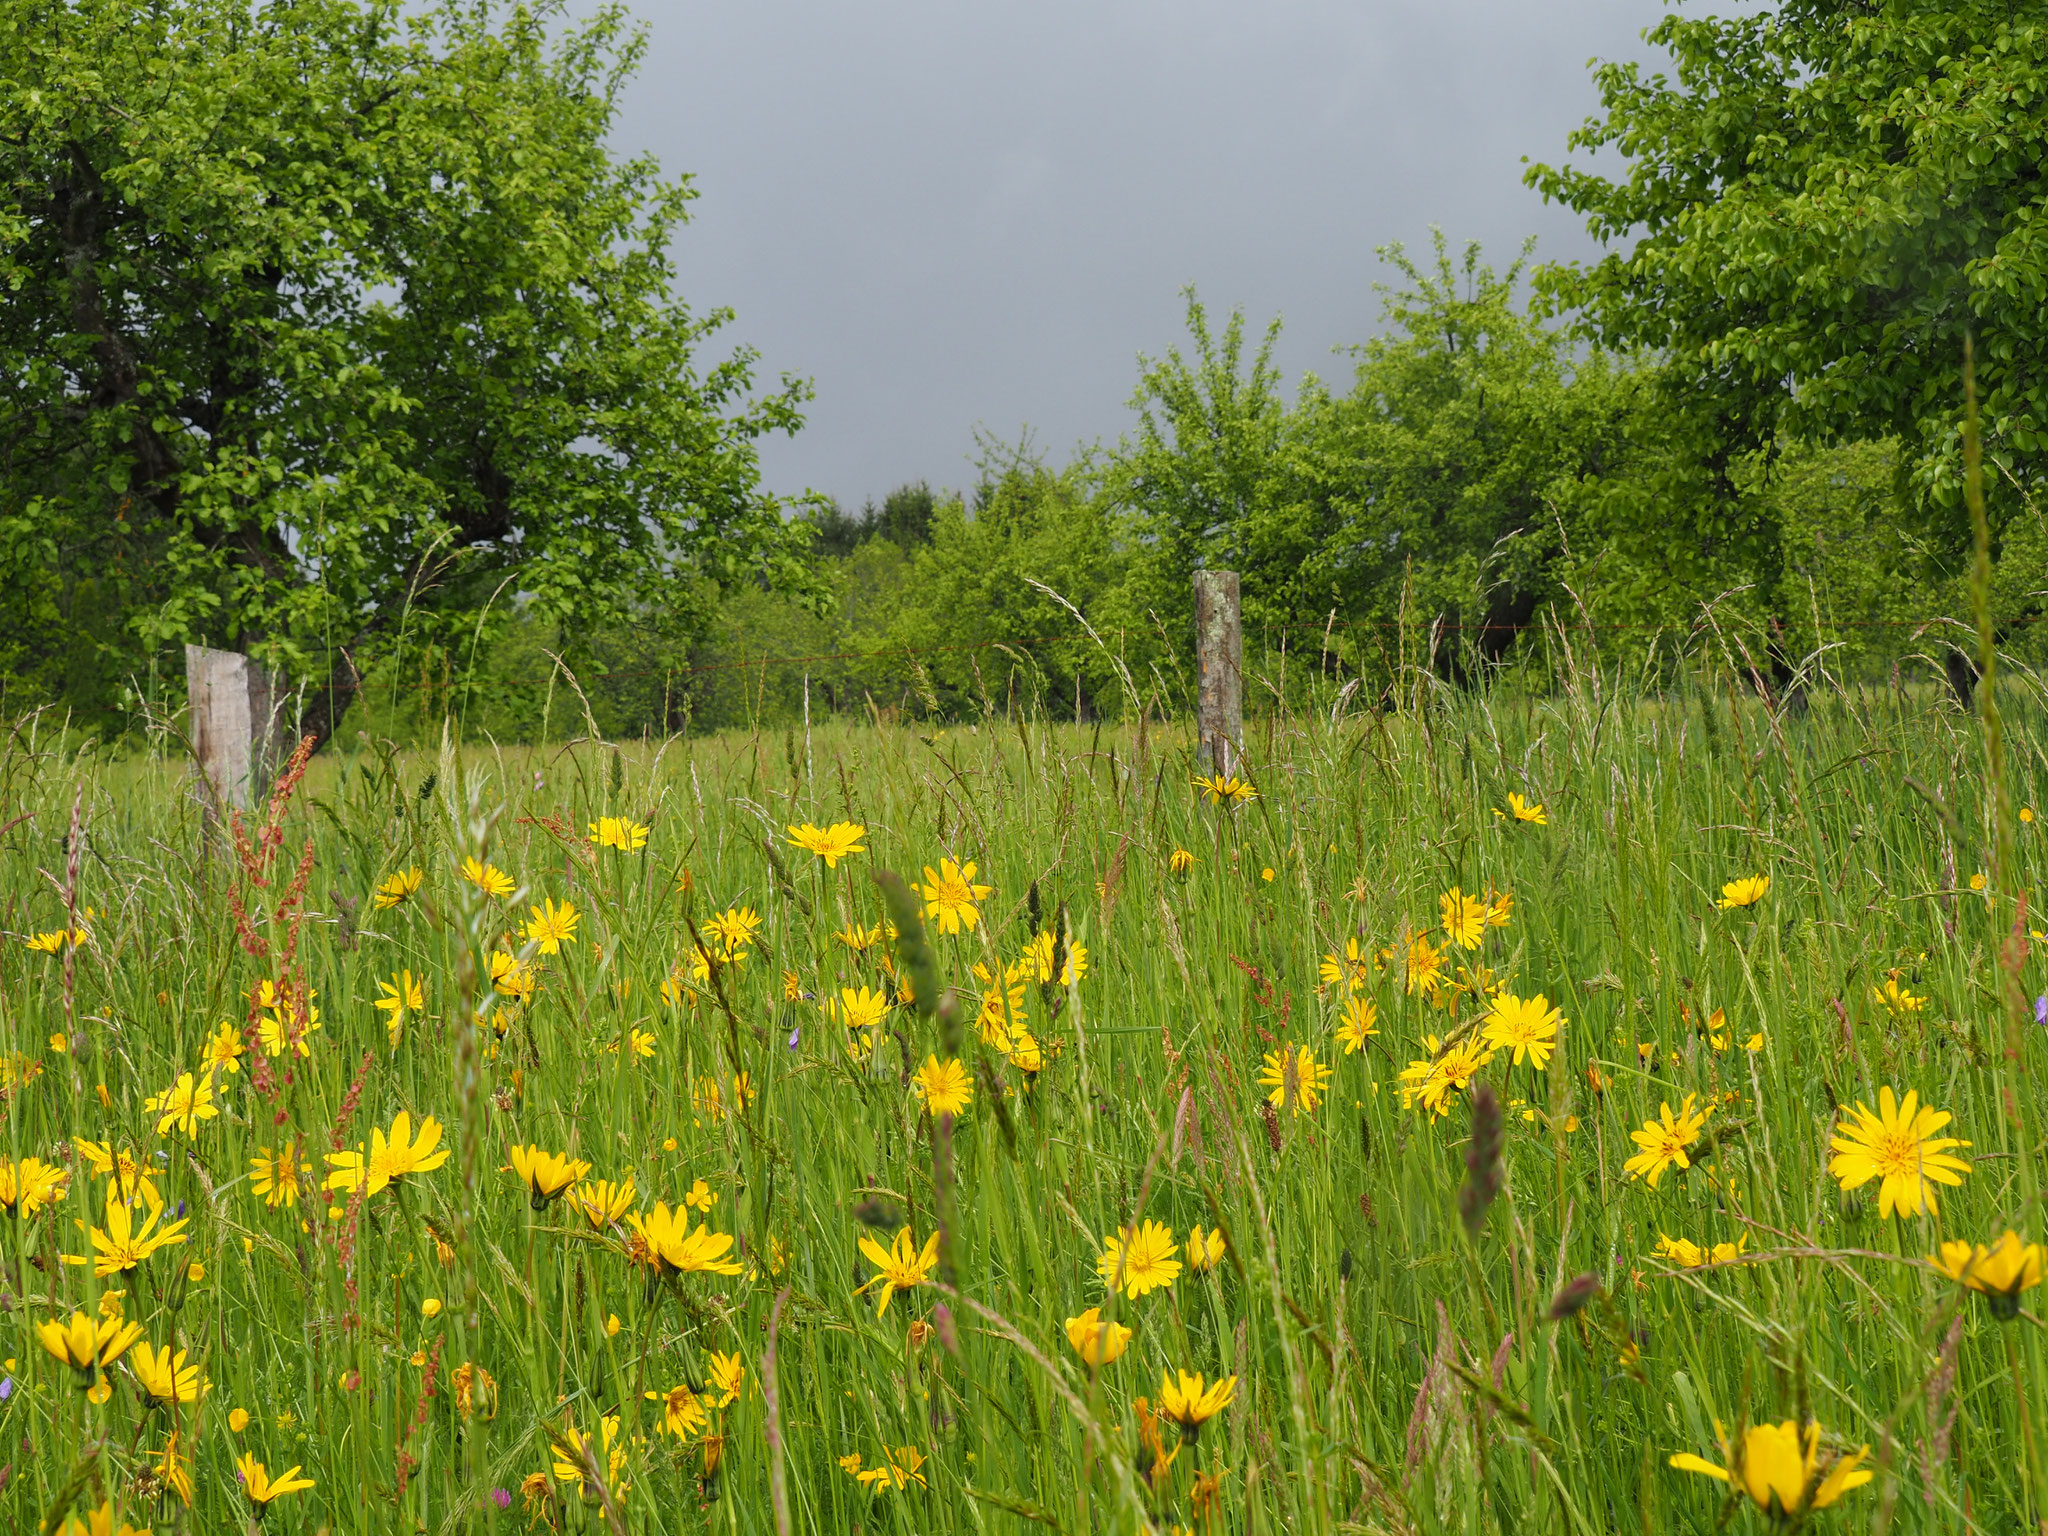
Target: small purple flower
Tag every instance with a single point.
(799, 1029)
(2041, 1009)
(6, 1388)
(503, 1497)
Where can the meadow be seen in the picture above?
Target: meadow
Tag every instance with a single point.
(1478, 1106)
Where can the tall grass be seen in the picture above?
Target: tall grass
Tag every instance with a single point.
(1394, 1373)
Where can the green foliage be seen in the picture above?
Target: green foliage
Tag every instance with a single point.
(330, 323)
(1822, 199)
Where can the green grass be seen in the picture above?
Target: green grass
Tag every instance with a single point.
(1365, 1329)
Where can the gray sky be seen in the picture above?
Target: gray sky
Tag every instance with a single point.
(951, 215)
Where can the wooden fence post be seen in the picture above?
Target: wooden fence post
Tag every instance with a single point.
(237, 724)
(1219, 669)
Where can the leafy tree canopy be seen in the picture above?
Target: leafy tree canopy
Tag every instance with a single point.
(1821, 199)
(332, 319)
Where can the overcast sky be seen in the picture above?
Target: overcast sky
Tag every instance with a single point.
(959, 215)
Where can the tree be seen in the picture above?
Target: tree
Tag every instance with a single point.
(331, 322)
(1819, 206)
(1461, 456)
(1208, 481)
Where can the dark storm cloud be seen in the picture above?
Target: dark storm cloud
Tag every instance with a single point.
(955, 215)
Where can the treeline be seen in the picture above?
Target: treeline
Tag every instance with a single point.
(1481, 496)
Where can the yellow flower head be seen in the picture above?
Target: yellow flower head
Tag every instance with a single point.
(1357, 1023)
(1690, 1255)
(86, 1344)
(166, 1377)
(1139, 1259)
(551, 926)
(1424, 966)
(1525, 1026)
(1783, 1469)
(1898, 1146)
(1225, 789)
(390, 1157)
(1522, 810)
(1295, 1079)
(276, 1176)
(951, 896)
(620, 832)
(183, 1105)
(1205, 1251)
(902, 1266)
(1664, 1141)
(546, 1175)
(1448, 1071)
(1353, 969)
(833, 843)
(261, 1486)
(682, 1411)
(1183, 1399)
(1096, 1342)
(399, 888)
(1464, 918)
(675, 1249)
(1746, 892)
(858, 1008)
(601, 1202)
(1181, 862)
(944, 1086)
(1998, 1273)
(488, 878)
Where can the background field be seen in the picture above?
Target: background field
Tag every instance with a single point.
(1392, 1376)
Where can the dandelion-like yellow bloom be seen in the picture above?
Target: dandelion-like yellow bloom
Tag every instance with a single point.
(620, 832)
(488, 878)
(1664, 1141)
(1356, 1023)
(838, 841)
(1998, 1273)
(1423, 967)
(601, 1202)
(1183, 1399)
(944, 1086)
(282, 1029)
(546, 1175)
(86, 1344)
(1526, 1026)
(902, 1266)
(1464, 918)
(726, 1374)
(700, 1197)
(951, 896)
(1181, 862)
(1038, 957)
(1522, 810)
(1139, 1259)
(1225, 789)
(551, 926)
(131, 1177)
(1783, 1468)
(183, 1105)
(1295, 1078)
(899, 1470)
(1746, 892)
(399, 888)
(98, 1522)
(1353, 969)
(513, 977)
(1897, 1145)
(858, 1008)
(401, 995)
(261, 1486)
(1096, 1342)
(1690, 1255)
(1895, 999)
(165, 1376)
(276, 1176)
(391, 1157)
(31, 1185)
(1431, 1083)
(736, 926)
(223, 1050)
(682, 1411)
(1205, 1250)
(573, 1450)
(679, 1250)
(122, 1245)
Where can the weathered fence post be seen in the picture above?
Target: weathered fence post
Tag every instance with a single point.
(238, 734)
(1219, 665)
